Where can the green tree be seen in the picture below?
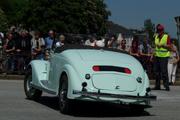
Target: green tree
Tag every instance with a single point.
(70, 16)
(4, 21)
(12, 9)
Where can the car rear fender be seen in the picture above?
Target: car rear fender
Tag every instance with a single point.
(74, 81)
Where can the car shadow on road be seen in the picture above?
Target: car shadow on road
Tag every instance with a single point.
(93, 109)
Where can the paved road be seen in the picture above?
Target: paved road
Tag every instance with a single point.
(15, 106)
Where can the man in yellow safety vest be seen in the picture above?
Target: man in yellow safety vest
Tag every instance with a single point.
(161, 55)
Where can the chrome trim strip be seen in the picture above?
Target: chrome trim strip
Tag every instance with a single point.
(107, 95)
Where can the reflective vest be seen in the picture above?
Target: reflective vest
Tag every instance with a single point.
(161, 52)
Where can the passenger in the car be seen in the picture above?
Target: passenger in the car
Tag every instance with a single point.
(61, 41)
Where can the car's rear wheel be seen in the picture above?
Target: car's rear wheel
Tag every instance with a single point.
(64, 102)
(31, 92)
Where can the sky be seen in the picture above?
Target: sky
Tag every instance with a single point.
(132, 13)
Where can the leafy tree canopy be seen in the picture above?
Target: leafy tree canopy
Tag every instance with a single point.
(4, 22)
(70, 16)
(12, 8)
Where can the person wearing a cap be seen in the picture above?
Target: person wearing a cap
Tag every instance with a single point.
(161, 55)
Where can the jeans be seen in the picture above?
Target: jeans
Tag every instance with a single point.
(172, 72)
(10, 63)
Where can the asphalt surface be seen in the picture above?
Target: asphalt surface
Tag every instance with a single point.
(15, 106)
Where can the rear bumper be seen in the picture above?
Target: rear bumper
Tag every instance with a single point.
(98, 96)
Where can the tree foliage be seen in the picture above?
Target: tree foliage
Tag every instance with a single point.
(4, 22)
(70, 16)
(12, 9)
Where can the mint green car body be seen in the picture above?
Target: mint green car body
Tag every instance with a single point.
(110, 86)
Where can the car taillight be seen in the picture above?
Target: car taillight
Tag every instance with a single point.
(96, 68)
(127, 70)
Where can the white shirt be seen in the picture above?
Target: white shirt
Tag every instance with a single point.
(173, 55)
(59, 44)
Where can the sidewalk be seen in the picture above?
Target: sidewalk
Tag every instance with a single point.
(21, 77)
(11, 77)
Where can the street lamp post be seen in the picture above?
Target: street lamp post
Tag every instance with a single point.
(177, 20)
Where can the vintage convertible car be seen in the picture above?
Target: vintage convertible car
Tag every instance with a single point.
(89, 74)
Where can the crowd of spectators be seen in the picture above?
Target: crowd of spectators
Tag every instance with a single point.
(19, 47)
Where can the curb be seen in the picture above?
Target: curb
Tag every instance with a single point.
(11, 77)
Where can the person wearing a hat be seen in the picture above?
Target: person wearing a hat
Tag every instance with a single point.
(161, 56)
